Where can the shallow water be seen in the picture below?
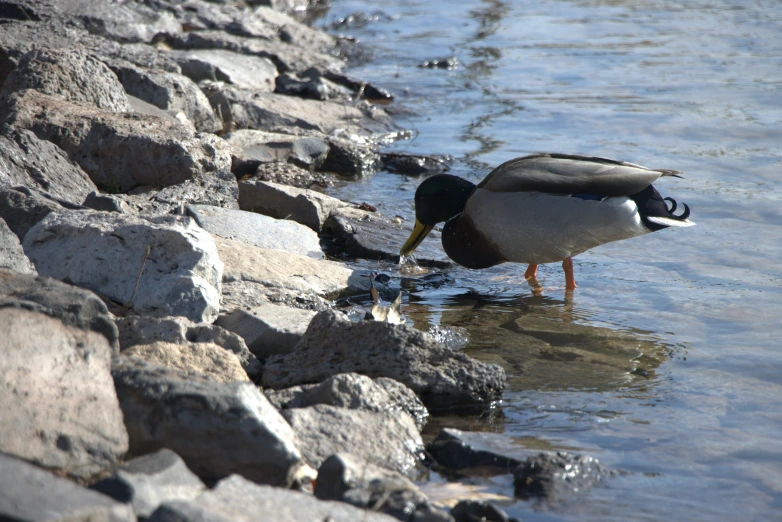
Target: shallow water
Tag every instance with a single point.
(666, 361)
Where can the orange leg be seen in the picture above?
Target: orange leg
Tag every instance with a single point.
(570, 280)
(531, 273)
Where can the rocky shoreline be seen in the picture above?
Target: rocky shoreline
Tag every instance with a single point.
(171, 347)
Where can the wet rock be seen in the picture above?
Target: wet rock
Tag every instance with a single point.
(254, 146)
(441, 63)
(148, 481)
(308, 207)
(460, 450)
(171, 92)
(37, 164)
(313, 87)
(270, 271)
(413, 165)
(472, 510)
(244, 109)
(333, 344)
(213, 188)
(268, 329)
(206, 359)
(72, 74)
(120, 151)
(350, 159)
(244, 71)
(30, 494)
(345, 478)
(136, 330)
(235, 498)
(361, 88)
(217, 428)
(22, 208)
(555, 476)
(105, 252)
(371, 235)
(386, 439)
(291, 175)
(258, 230)
(353, 391)
(72, 305)
(11, 253)
(59, 406)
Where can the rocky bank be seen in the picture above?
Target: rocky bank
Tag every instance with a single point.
(171, 350)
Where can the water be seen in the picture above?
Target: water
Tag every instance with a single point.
(666, 360)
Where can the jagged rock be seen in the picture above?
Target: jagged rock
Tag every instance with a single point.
(106, 203)
(148, 481)
(30, 494)
(345, 478)
(472, 510)
(22, 208)
(291, 31)
(254, 273)
(117, 150)
(307, 207)
(333, 344)
(217, 428)
(171, 92)
(11, 252)
(244, 109)
(28, 161)
(254, 146)
(59, 407)
(180, 118)
(70, 73)
(268, 329)
(127, 22)
(353, 391)
(235, 498)
(72, 305)
(413, 164)
(179, 330)
(289, 174)
(249, 294)
(204, 358)
(387, 439)
(460, 450)
(555, 476)
(233, 18)
(371, 235)
(351, 159)
(245, 72)
(258, 230)
(105, 252)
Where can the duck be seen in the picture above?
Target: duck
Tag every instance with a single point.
(542, 208)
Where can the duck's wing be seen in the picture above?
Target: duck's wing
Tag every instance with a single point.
(571, 174)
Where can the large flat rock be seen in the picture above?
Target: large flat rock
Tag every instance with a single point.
(244, 71)
(105, 252)
(60, 410)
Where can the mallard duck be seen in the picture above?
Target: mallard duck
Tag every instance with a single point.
(541, 209)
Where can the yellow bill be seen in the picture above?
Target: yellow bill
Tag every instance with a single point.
(420, 231)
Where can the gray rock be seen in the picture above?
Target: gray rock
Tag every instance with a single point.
(118, 151)
(214, 188)
(128, 22)
(459, 450)
(22, 208)
(350, 159)
(180, 118)
(557, 476)
(348, 479)
(30, 494)
(471, 510)
(307, 207)
(170, 92)
(249, 294)
(245, 109)
(148, 481)
(74, 75)
(105, 252)
(314, 87)
(232, 18)
(11, 253)
(246, 72)
(371, 235)
(72, 305)
(59, 407)
(252, 275)
(236, 499)
(106, 203)
(387, 439)
(289, 174)
(263, 147)
(179, 330)
(258, 230)
(353, 391)
(334, 344)
(413, 164)
(206, 359)
(28, 161)
(268, 329)
(217, 428)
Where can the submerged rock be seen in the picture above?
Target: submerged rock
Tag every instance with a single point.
(481, 452)
(472, 510)
(556, 476)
